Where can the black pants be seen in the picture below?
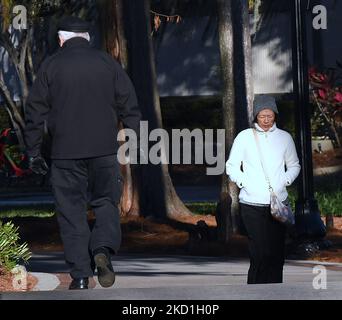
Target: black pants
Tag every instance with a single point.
(71, 181)
(266, 244)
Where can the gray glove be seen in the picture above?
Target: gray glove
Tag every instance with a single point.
(38, 165)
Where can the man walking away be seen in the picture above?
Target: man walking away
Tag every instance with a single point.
(82, 93)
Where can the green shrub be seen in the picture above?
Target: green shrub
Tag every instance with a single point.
(330, 203)
(41, 211)
(11, 252)
(202, 208)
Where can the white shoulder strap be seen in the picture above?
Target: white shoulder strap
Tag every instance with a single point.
(262, 160)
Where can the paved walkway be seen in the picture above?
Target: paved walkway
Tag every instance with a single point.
(148, 277)
(186, 193)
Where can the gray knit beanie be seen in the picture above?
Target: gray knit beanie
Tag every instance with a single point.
(264, 101)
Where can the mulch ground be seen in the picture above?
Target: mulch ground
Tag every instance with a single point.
(7, 282)
(145, 235)
(327, 159)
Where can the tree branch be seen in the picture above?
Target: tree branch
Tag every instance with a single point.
(6, 42)
(16, 114)
(22, 69)
(328, 119)
(29, 57)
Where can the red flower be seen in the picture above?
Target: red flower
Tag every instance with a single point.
(322, 94)
(338, 97)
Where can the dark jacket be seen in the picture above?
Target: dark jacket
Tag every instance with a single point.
(82, 93)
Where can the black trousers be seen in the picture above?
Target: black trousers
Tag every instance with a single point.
(72, 181)
(266, 244)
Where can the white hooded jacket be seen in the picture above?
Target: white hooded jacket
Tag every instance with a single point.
(244, 165)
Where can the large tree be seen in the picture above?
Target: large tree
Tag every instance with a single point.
(111, 17)
(228, 189)
(237, 98)
(243, 71)
(148, 189)
(157, 196)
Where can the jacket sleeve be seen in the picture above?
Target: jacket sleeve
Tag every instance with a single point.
(126, 101)
(233, 165)
(36, 112)
(291, 162)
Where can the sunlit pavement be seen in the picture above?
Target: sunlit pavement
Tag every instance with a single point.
(152, 277)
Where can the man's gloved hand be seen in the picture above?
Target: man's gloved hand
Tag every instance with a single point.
(38, 165)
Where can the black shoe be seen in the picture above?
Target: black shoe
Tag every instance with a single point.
(79, 284)
(105, 272)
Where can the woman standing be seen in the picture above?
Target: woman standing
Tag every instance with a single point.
(266, 235)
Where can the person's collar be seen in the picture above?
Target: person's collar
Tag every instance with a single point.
(76, 42)
(258, 128)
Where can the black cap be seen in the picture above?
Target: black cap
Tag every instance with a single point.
(73, 24)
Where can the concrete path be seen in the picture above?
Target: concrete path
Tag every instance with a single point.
(148, 277)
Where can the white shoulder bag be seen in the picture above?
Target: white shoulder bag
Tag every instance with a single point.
(279, 210)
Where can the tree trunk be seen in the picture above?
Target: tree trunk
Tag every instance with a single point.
(129, 198)
(110, 25)
(114, 42)
(226, 205)
(121, 34)
(244, 93)
(243, 72)
(154, 194)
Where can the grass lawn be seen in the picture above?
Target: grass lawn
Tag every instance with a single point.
(329, 203)
(38, 212)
